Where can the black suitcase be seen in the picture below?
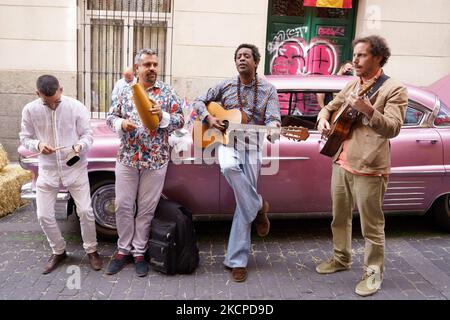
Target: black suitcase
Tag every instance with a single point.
(161, 246)
(172, 246)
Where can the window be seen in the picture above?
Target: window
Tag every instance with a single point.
(413, 116)
(110, 33)
(292, 8)
(443, 117)
(303, 103)
(307, 40)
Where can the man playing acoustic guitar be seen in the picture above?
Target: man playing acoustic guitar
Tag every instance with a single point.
(361, 164)
(258, 100)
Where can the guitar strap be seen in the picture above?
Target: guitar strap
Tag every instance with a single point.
(383, 77)
(377, 85)
(373, 91)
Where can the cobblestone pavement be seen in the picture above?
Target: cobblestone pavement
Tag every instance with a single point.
(282, 265)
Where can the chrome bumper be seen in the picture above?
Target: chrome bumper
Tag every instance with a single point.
(62, 199)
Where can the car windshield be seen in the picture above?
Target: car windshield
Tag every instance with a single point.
(300, 108)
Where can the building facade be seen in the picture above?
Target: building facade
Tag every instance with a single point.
(87, 43)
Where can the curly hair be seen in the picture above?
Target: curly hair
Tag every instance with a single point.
(255, 52)
(378, 47)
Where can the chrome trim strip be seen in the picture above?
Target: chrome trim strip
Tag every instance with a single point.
(410, 182)
(434, 113)
(418, 172)
(101, 159)
(193, 159)
(63, 196)
(263, 159)
(405, 188)
(186, 159)
(405, 194)
(30, 161)
(402, 204)
(402, 199)
(285, 158)
(27, 193)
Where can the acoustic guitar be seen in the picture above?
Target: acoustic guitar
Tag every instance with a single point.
(342, 121)
(235, 119)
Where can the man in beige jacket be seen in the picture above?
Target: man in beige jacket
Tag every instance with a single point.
(362, 163)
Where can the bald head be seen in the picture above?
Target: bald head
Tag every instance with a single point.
(128, 74)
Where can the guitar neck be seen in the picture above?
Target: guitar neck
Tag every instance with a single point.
(247, 127)
(290, 132)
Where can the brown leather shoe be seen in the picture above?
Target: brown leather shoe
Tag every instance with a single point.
(262, 221)
(53, 262)
(239, 274)
(95, 260)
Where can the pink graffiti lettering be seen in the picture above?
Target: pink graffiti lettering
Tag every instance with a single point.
(331, 31)
(295, 56)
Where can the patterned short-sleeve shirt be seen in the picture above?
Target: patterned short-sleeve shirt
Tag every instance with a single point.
(142, 147)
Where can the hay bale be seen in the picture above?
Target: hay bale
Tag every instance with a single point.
(12, 177)
(3, 158)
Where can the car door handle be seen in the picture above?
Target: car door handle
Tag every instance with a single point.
(432, 141)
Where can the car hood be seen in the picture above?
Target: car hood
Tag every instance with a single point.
(100, 128)
(442, 89)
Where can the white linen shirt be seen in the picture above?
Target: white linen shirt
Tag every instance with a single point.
(66, 126)
(120, 84)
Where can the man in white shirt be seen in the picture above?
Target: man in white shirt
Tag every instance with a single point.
(58, 128)
(128, 78)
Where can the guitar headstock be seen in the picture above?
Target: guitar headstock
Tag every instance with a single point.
(296, 133)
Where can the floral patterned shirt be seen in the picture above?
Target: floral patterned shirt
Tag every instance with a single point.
(143, 148)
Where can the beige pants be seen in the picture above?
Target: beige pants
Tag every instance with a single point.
(142, 188)
(46, 191)
(367, 192)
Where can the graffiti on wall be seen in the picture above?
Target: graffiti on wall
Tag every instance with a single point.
(331, 31)
(293, 55)
(284, 35)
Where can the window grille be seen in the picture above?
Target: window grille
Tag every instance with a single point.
(110, 32)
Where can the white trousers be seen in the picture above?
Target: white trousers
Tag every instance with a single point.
(46, 191)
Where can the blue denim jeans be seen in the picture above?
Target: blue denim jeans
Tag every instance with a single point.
(241, 168)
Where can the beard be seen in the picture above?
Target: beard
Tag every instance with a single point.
(150, 77)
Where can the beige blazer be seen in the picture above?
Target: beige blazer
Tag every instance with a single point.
(368, 145)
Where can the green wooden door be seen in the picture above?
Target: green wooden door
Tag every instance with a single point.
(307, 40)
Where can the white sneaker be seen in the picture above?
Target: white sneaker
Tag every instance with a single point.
(370, 282)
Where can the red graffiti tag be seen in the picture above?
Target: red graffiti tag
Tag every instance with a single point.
(331, 31)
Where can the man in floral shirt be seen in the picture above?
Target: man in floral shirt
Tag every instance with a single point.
(141, 160)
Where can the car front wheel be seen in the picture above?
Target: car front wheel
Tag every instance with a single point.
(441, 212)
(103, 197)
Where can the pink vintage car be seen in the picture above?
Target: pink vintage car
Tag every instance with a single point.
(297, 178)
